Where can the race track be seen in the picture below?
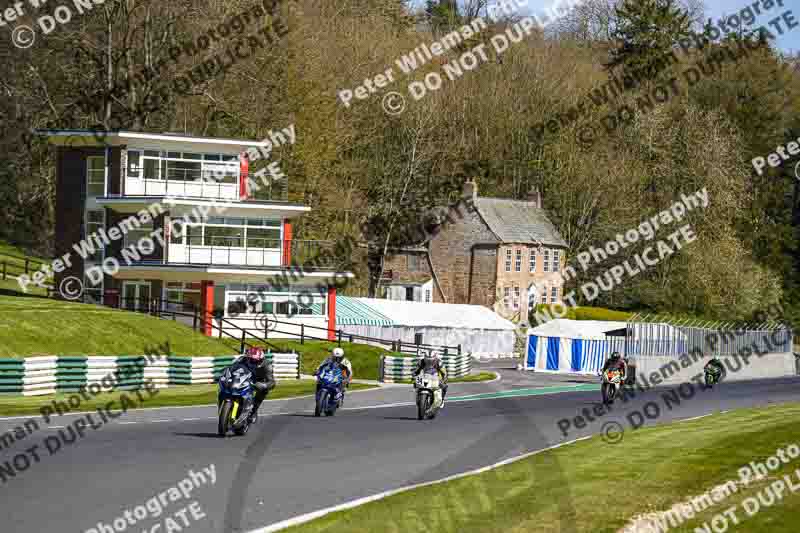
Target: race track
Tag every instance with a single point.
(292, 463)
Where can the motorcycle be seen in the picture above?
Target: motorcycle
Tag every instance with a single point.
(235, 400)
(612, 385)
(712, 373)
(429, 395)
(329, 391)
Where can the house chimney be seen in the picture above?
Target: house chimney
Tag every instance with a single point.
(470, 191)
(535, 196)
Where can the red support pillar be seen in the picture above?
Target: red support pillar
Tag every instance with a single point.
(331, 313)
(243, 174)
(207, 298)
(287, 243)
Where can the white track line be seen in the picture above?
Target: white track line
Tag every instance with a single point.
(56, 427)
(154, 421)
(694, 418)
(301, 519)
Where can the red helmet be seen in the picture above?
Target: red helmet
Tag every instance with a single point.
(255, 354)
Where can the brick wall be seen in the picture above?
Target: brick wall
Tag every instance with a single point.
(398, 264)
(525, 277)
(465, 276)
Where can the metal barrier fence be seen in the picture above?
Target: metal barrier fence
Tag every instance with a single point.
(661, 336)
(38, 376)
(393, 369)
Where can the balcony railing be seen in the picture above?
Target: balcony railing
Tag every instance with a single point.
(189, 183)
(308, 254)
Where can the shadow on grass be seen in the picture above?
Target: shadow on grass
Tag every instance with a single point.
(20, 294)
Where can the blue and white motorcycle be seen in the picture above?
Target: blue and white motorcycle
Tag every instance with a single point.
(330, 393)
(235, 400)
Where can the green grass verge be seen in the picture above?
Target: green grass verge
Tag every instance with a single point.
(365, 358)
(169, 397)
(591, 486)
(40, 326)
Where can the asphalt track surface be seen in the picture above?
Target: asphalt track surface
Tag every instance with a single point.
(291, 463)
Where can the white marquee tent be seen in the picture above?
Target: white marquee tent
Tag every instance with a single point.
(479, 330)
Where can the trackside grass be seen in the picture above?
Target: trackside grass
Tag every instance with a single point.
(592, 486)
(168, 397)
(365, 358)
(31, 325)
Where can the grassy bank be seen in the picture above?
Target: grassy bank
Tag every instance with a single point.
(41, 326)
(365, 359)
(592, 486)
(472, 378)
(169, 397)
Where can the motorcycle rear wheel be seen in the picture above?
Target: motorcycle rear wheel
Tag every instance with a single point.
(224, 418)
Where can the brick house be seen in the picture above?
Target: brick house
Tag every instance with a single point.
(218, 249)
(500, 253)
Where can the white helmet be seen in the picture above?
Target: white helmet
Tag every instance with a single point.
(338, 354)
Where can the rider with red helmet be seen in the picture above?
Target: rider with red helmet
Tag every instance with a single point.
(263, 377)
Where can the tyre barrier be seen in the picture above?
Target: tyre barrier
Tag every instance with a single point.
(38, 376)
(394, 369)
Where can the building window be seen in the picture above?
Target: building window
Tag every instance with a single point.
(95, 220)
(546, 262)
(254, 299)
(507, 297)
(230, 233)
(556, 267)
(554, 295)
(95, 176)
(414, 262)
(518, 261)
(427, 295)
(183, 166)
(92, 293)
(409, 294)
(137, 238)
(134, 164)
(508, 260)
(183, 297)
(533, 260)
(516, 297)
(544, 294)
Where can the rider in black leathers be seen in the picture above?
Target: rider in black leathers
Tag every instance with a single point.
(431, 362)
(263, 376)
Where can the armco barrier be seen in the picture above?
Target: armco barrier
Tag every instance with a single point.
(37, 376)
(393, 369)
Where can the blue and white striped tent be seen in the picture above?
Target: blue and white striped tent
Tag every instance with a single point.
(571, 346)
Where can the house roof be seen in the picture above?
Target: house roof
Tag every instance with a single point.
(518, 221)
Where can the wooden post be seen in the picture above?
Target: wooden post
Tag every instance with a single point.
(339, 336)
(26, 267)
(459, 349)
(194, 322)
(241, 348)
(302, 333)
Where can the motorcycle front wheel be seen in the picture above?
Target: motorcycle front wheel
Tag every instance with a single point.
(322, 402)
(608, 393)
(423, 401)
(224, 418)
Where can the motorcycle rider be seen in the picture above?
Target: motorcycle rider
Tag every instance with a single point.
(263, 376)
(337, 358)
(714, 367)
(616, 362)
(429, 362)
